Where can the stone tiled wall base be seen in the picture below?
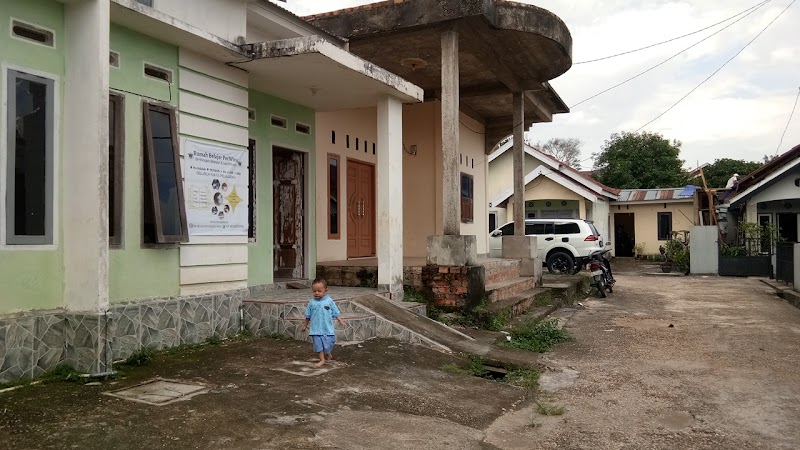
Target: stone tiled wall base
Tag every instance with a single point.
(365, 276)
(455, 287)
(34, 343)
(265, 319)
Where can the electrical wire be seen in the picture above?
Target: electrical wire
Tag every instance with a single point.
(668, 59)
(720, 67)
(788, 122)
(675, 38)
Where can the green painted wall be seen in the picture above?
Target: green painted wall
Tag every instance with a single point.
(31, 280)
(260, 255)
(136, 272)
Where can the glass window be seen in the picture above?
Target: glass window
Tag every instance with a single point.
(333, 196)
(535, 228)
(664, 226)
(116, 123)
(165, 212)
(467, 195)
(508, 229)
(29, 197)
(567, 228)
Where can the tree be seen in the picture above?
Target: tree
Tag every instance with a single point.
(720, 171)
(640, 161)
(566, 150)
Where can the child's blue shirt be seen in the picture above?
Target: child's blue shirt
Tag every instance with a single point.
(322, 312)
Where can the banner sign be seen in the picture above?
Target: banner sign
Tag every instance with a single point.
(216, 186)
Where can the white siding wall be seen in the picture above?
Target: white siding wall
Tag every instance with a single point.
(213, 107)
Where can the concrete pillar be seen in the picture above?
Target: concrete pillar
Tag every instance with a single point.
(390, 196)
(519, 163)
(451, 199)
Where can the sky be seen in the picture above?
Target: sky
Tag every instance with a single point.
(740, 113)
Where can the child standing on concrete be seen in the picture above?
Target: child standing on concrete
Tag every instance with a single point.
(320, 313)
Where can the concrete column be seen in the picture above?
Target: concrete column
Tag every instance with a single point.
(451, 199)
(84, 156)
(519, 162)
(390, 196)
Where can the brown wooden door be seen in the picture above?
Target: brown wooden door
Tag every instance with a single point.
(288, 215)
(360, 209)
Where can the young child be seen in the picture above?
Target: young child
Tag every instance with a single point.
(320, 313)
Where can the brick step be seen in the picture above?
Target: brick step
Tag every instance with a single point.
(506, 289)
(520, 304)
(501, 270)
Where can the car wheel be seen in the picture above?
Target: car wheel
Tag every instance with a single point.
(560, 263)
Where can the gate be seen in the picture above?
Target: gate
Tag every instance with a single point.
(784, 262)
(752, 258)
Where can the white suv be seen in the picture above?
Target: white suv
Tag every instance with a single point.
(563, 244)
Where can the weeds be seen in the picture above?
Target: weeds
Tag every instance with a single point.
(213, 340)
(141, 357)
(547, 409)
(474, 368)
(412, 295)
(279, 337)
(524, 378)
(537, 336)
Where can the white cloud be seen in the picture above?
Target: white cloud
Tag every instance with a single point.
(739, 113)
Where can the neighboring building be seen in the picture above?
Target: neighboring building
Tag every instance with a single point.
(769, 195)
(646, 218)
(158, 162)
(553, 190)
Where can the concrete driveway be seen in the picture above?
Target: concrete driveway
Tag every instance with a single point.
(723, 376)
(675, 363)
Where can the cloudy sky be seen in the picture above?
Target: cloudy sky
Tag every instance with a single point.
(739, 113)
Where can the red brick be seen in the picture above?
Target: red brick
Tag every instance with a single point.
(443, 270)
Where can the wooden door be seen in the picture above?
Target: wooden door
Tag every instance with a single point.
(288, 213)
(360, 209)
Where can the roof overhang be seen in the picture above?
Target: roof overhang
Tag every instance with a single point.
(504, 47)
(151, 22)
(653, 202)
(555, 176)
(313, 72)
(767, 181)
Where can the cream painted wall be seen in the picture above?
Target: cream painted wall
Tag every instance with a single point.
(224, 18)
(543, 188)
(782, 190)
(645, 219)
(501, 173)
(422, 214)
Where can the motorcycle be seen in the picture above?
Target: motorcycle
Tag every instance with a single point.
(600, 268)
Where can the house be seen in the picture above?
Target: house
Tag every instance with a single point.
(769, 196)
(644, 219)
(484, 68)
(158, 162)
(553, 190)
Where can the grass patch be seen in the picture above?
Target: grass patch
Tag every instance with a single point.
(413, 296)
(524, 378)
(475, 368)
(547, 409)
(279, 337)
(537, 336)
(139, 358)
(214, 340)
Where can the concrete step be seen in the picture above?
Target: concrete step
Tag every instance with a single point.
(498, 270)
(507, 289)
(522, 303)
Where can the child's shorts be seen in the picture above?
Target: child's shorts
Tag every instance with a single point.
(324, 343)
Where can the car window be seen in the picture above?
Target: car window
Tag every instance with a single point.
(594, 230)
(508, 229)
(567, 228)
(539, 228)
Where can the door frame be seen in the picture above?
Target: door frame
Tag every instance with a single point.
(375, 198)
(308, 197)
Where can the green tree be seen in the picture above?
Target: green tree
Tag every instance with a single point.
(719, 172)
(640, 161)
(566, 150)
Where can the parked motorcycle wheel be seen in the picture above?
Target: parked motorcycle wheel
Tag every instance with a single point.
(610, 289)
(601, 287)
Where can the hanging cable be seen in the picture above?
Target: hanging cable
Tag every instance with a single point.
(720, 67)
(675, 38)
(788, 122)
(668, 59)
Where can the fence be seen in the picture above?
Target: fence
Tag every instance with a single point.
(784, 262)
(751, 258)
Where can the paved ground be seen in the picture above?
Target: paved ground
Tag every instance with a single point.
(723, 376)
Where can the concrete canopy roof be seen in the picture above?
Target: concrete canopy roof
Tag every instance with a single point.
(314, 72)
(504, 47)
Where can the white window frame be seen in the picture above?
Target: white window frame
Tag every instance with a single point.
(5, 70)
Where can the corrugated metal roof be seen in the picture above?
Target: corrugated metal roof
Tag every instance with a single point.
(653, 195)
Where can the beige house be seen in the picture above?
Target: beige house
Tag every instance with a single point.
(553, 190)
(644, 219)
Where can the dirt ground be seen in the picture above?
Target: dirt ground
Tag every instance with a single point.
(723, 376)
